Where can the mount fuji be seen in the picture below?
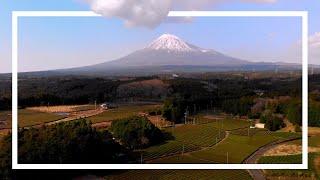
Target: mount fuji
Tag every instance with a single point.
(169, 53)
(170, 50)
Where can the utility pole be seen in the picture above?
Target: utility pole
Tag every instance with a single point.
(95, 104)
(185, 116)
(182, 149)
(227, 158)
(222, 122)
(141, 158)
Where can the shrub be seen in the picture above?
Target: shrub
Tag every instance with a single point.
(272, 121)
(5, 157)
(136, 132)
(294, 112)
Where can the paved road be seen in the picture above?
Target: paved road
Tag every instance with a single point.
(257, 174)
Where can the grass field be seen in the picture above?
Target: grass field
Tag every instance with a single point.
(289, 159)
(185, 138)
(297, 174)
(226, 124)
(236, 147)
(314, 141)
(286, 135)
(250, 132)
(29, 117)
(181, 174)
(121, 112)
(180, 159)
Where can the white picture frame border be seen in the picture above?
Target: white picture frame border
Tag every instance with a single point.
(300, 14)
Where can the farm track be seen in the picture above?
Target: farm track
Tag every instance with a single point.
(257, 174)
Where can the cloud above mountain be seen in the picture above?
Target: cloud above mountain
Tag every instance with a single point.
(314, 48)
(147, 13)
(150, 13)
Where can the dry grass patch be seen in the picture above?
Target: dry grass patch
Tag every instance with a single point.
(63, 108)
(159, 121)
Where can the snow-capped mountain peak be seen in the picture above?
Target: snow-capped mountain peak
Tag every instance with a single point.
(170, 42)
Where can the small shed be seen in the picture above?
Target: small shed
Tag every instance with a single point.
(260, 125)
(108, 105)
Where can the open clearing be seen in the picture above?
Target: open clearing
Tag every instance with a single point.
(30, 118)
(121, 112)
(226, 124)
(62, 108)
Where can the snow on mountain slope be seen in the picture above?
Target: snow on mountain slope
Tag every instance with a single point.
(171, 50)
(171, 43)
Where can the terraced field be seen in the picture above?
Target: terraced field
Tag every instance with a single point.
(226, 124)
(289, 159)
(236, 147)
(185, 138)
(181, 174)
(250, 132)
(205, 151)
(29, 117)
(121, 112)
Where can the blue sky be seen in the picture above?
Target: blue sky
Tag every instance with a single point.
(50, 43)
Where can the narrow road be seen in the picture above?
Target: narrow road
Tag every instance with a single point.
(257, 174)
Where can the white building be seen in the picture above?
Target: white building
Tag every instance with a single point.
(260, 125)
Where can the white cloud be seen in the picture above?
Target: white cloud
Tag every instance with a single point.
(147, 13)
(150, 13)
(314, 40)
(314, 48)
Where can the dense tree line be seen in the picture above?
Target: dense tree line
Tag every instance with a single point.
(5, 157)
(314, 109)
(241, 106)
(65, 90)
(185, 96)
(136, 132)
(272, 121)
(67, 143)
